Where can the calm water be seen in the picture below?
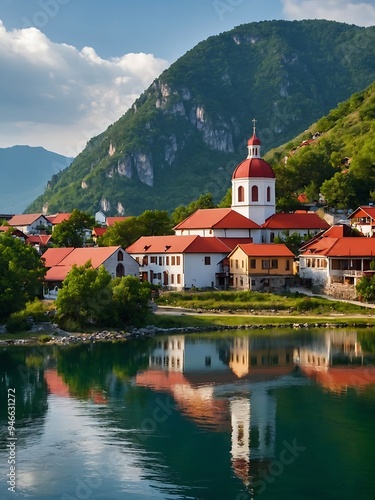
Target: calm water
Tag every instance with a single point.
(236, 416)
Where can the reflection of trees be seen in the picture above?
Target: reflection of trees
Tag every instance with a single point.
(29, 383)
(88, 366)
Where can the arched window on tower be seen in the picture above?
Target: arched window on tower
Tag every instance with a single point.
(254, 193)
(268, 194)
(241, 194)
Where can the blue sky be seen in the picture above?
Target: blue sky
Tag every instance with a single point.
(72, 67)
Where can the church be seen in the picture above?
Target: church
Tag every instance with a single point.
(196, 256)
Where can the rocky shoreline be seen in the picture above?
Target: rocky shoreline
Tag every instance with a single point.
(61, 337)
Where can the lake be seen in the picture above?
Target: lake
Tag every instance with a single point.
(239, 415)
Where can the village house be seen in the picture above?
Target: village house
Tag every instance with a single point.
(305, 224)
(363, 219)
(179, 262)
(59, 262)
(261, 267)
(30, 223)
(336, 264)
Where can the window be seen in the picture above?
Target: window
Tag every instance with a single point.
(173, 260)
(236, 264)
(253, 263)
(207, 360)
(207, 261)
(241, 194)
(167, 261)
(268, 194)
(120, 256)
(179, 279)
(172, 279)
(145, 260)
(265, 264)
(153, 259)
(274, 264)
(254, 193)
(161, 261)
(287, 265)
(178, 260)
(272, 237)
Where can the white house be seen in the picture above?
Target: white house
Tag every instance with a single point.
(180, 262)
(30, 223)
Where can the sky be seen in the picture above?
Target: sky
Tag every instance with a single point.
(70, 68)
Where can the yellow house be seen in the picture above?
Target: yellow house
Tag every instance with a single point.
(261, 267)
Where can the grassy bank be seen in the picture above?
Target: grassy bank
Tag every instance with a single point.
(253, 302)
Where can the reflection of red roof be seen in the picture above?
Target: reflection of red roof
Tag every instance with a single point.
(306, 220)
(216, 218)
(253, 167)
(179, 244)
(266, 249)
(55, 383)
(337, 377)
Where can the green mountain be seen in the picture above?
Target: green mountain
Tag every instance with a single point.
(335, 156)
(186, 133)
(24, 173)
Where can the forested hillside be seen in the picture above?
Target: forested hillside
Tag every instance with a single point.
(185, 134)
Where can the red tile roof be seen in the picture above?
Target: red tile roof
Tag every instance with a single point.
(24, 219)
(265, 250)
(342, 247)
(297, 220)
(58, 218)
(363, 211)
(179, 244)
(217, 218)
(53, 256)
(99, 231)
(111, 220)
(57, 273)
(38, 239)
(253, 167)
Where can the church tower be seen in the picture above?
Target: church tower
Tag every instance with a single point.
(253, 184)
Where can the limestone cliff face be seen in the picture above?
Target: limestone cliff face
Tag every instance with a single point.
(143, 166)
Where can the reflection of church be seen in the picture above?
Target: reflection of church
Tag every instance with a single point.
(226, 385)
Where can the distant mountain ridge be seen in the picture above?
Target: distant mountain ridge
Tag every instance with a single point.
(186, 133)
(24, 173)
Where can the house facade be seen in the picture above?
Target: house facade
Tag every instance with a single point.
(329, 261)
(261, 267)
(363, 219)
(180, 262)
(305, 224)
(30, 223)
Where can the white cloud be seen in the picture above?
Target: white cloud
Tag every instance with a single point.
(346, 11)
(56, 96)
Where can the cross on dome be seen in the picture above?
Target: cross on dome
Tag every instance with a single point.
(254, 126)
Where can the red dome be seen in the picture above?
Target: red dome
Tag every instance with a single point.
(253, 167)
(253, 141)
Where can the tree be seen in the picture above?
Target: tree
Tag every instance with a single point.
(155, 223)
(85, 297)
(21, 274)
(130, 300)
(366, 288)
(122, 233)
(71, 232)
(293, 241)
(339, 191)
(182, 212)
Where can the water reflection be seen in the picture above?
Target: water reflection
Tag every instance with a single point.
(188, 416)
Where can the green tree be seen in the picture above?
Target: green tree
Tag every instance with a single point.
(226, 202)
(122, 233)
(21, 274)
(85, 297)
(182, 212)
(130, 300)
(339, 191)
(293, 241)
(366, 288)
(71, 232)
(155, 223)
